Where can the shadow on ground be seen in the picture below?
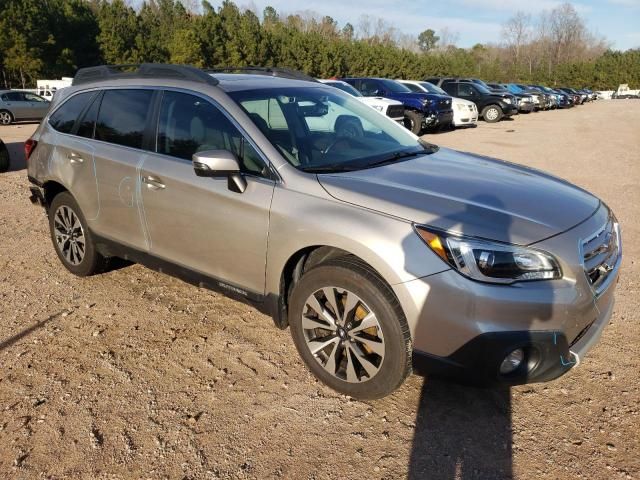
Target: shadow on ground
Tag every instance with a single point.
(461, 433)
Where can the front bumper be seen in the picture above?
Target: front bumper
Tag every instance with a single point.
(464, 329)
(509, 110)
(439, 117)
(526, 107)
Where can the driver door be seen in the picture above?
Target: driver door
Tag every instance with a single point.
(198, 222)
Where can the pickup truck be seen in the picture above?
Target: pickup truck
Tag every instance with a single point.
(421, 110)
(625, 92)
(524, 101)
(492, 106)
(391, 108)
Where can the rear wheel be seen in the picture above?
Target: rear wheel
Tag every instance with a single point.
(350, 330)
(71, 237)
(5, 117)
(492, 113)
(413, 121)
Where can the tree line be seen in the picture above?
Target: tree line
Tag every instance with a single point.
(53, 38)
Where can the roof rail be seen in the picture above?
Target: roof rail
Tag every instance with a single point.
(271, 71)
(144, 70)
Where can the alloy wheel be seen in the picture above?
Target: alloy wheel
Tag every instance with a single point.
(69, 235)
(343, 334)
(5, 118)
(492, 114)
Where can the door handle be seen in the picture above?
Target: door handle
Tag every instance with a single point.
(75, 158)
(153, 183)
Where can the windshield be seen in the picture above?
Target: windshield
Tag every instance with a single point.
(499, 88)
(431, 88)
(345, 87)
(481, 88)
(514, 88)
(393, 86)
(319, 129)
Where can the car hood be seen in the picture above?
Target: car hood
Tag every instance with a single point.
(421, 96)
(468, 194)
(378, 101)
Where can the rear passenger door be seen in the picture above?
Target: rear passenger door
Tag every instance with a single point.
(71, 159)
(198, 222)
(20, 108)
(119, 149)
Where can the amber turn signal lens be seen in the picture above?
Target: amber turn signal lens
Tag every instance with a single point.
(434, 242)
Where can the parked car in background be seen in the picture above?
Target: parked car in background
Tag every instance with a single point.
(524, 101)
(561, 98)
(546, 101)
(16, 105)
(577, 98)
(624, 91)
(421, 110)
(4, 157)
(380, 251)
(569, 99)
(538, 98)
(492, 106)
(391, 108)
(465, 113)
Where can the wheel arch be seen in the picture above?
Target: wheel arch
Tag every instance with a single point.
(304, 259)
(52, 188)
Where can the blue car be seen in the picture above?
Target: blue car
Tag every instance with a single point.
(421, 110)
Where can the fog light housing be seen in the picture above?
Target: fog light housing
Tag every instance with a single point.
(512, 361)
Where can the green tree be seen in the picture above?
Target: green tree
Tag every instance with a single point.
(428, 40)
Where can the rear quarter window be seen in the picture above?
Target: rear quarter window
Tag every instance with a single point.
(123, 117)
(64, 118)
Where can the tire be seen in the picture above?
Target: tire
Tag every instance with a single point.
(6, 117)
(65, 216)
(385, 347)
(492, 113)
(4, 158)
(413, 121)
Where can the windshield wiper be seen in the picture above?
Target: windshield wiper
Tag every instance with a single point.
(334, 168)
(428, 149)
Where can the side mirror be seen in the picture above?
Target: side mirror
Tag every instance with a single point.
(217, 164)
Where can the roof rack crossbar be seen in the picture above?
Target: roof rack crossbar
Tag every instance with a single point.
(144, 70)
(271, 71)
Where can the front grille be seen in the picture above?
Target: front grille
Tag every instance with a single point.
(395, 111)
(600, 253)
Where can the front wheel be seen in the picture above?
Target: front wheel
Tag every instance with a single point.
(492, 113)
(413, 121)
(350, 330)
(5, 117)
(71, 237)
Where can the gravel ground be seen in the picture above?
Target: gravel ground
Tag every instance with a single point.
(133, 374)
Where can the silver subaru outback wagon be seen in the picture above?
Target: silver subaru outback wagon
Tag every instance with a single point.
(381, 251)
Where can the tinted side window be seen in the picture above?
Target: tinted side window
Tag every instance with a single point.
(123, 117)
(15, 96)
(88, 122)
(65, 116)
(450, 88)
(189, 124)
(466, 90)
(369, 88)
(412, 87)
(33, 98)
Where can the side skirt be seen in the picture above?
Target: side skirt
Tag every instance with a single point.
(266, 304)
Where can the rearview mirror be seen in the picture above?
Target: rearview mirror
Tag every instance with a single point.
(219, 163)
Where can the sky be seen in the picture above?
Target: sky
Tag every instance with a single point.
(474, 21)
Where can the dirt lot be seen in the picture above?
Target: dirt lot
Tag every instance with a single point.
(133, 374)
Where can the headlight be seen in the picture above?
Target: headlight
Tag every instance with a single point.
(488, 261)
(507, 100)
(426, 102)
(380, 108)
(461, 106)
